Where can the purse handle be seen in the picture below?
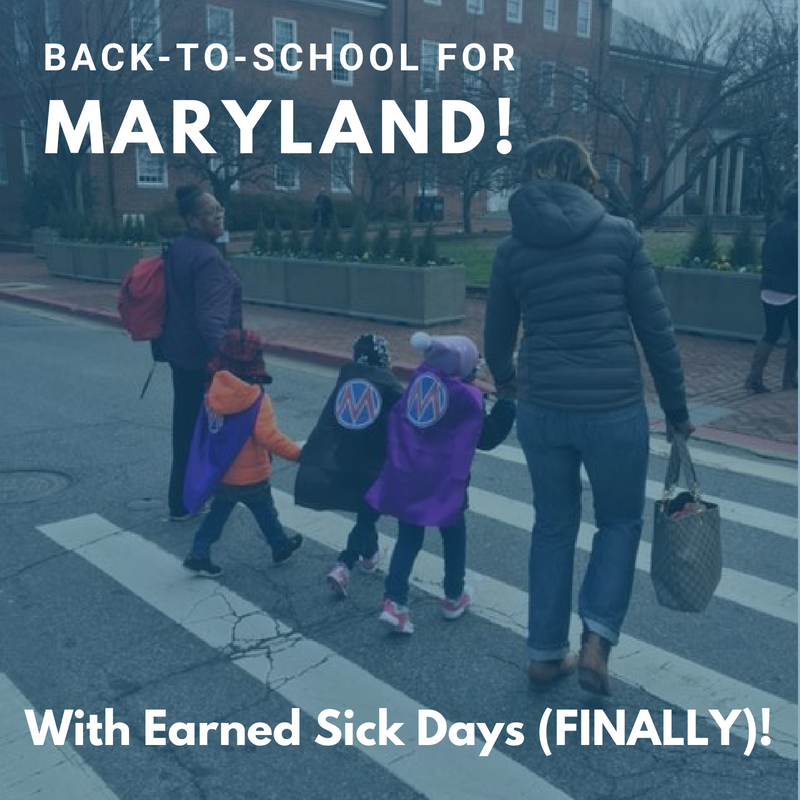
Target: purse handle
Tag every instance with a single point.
(680, 461)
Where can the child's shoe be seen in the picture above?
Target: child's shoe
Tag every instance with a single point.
(284, 550)
(453, 609)
(396, 616)
(338, 578)
(201, 565)
(370, 564)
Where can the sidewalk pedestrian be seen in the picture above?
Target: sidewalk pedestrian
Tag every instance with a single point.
(346, 450)
(239, 373)
(434, 430)
(779, 261)
(204, 300)
(581, 284)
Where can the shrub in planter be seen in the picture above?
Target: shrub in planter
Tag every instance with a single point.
(404, 246)
(426, 251)
(381, 244)
(276, 243)
(333, 241)
(260, 243)
(295, 244)
(744, 249)
(703, 248)
(316, 242)
(357, 240)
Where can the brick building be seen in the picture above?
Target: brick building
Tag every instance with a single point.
(561, 48)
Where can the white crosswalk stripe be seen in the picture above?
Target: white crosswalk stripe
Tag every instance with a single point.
(753, 517)
(299, 669)
(665, 675)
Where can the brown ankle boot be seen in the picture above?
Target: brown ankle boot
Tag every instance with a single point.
(593, 664)
(754, 382)
(542, 673)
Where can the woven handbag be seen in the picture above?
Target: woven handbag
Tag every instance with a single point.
(686, 557)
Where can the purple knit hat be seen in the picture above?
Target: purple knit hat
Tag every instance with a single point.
(454, 356)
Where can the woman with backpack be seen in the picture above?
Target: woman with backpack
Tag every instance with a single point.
(204, 301)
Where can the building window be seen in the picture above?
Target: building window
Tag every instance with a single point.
(474, 6)
(22, 34)
(584, 27)
(339, 74)
(433, 2)
(219, 25)
(644, 167)
(28, 145)
(646, 91)
(550, 22)
(284, 31)
(3, 158)
(225, 169)
(428, 178)
(674, 108)
(513, 10)
(429, 74)
(342, 169)
(580, 90)
(52, 20)
(547, 84)
(511, 79)
(618, 90)
(146, 23)
(612, 168)
(473, 82)
(151, 168)
(287, 176)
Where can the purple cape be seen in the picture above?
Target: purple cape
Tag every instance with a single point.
(433, 434)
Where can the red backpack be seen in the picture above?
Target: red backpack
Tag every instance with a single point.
(142, 299)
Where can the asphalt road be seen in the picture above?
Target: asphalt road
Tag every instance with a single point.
(97, 614)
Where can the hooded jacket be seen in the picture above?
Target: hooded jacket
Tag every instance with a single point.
(230, 395)
(340, 463)
(582, 285)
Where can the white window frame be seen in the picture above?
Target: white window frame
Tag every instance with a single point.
(514, 11)
(52, 20)
(473, 81)
(3, 157)
(433, 2)
(645, 168)
(429, 66)
(146, 23)
(27, 141)
(286, 168)
(613, 168)
(550, 15)
(475, 7)
(218, 36)
(580, 91)
(511, 79)
(343, 154)
(215, 161)
(583, 24)
(147, 165)
(22, 39)
(428, 178)
(547, 73)
(339, 75)
(278, 44)
(675, 100)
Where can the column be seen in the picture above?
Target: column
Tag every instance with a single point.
(711, 184)
(722, 200)
(738, 175)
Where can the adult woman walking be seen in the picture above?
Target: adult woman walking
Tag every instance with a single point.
(204, 300)
(581, 284)
(778, 296)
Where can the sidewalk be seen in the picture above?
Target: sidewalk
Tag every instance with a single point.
(723, 411)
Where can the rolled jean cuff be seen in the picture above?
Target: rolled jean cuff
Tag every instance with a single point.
(555, 654)
(601, 630)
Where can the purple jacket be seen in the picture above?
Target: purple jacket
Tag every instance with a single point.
(204, 299)
(433, 433)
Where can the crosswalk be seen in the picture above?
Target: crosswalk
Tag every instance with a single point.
(302, 670)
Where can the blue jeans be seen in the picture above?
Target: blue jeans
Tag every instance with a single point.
(257, 497)
(613, 446)
(363, 539)
(409, 543)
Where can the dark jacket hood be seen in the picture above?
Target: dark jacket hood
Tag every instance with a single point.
(552, 213)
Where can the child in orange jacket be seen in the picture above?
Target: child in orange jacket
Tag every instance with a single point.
(238, 372)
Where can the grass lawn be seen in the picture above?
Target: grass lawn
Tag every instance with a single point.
(476, 252)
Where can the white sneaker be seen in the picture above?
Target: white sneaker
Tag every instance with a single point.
(338, 578)
(453, 609)
(396, 616)
(370, 564)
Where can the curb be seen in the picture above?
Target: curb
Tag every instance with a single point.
(765, 448)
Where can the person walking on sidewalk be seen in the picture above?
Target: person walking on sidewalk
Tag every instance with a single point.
(778, 296)
(582, 285)
(434, 430)
(346, 450)
(239, 373)
(204, 300)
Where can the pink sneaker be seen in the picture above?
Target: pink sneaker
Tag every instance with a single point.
(338, 578)
(370, 564)
(453, 609)
(396, 616)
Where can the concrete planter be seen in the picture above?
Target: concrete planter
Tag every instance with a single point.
(410, 295)
(41, 237)
(121, 257)
(93, 262)
(724, 304)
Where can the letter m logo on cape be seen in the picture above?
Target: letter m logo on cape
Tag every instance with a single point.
(358, 404)
(427, 401)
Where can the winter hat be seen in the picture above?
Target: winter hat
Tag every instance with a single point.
(454, 356)
(370, 348)
(241, 352)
